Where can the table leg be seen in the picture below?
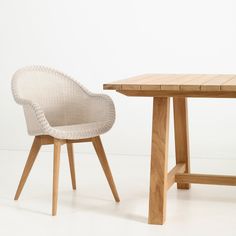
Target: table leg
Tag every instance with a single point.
(181, 136)
(159, 159)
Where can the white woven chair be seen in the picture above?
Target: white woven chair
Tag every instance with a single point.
(58, 110)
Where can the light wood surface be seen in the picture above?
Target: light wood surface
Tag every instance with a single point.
(179, 86)
(84, 140)
(56, 165)
(104, 163)
(159, 156)
(70, 152)
(176, 82)
(28, 166)
(180, 93)
(47, 140)
(177, 169)
(181, 136)
(206, 179)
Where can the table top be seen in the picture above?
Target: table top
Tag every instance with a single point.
(176, 82)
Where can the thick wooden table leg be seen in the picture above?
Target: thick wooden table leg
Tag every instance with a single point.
(159, 159)
(181, 136)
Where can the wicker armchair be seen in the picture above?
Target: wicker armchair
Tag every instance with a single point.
(59, 110)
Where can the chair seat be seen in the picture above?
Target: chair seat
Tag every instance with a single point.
(79, 131)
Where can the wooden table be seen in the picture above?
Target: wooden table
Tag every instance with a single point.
(161, 87)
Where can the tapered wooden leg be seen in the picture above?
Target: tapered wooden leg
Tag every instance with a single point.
(181, 136)
(72, 164)
(103, 160)
(159, 159)
(29, 163)
(56, 165)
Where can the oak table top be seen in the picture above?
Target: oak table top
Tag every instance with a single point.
(202, 85)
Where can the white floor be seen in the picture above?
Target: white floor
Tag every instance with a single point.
(203, 210)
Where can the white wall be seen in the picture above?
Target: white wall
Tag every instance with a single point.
(102, 41)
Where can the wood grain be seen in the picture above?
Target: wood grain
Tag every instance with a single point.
(229, 85)
(181, 136)
(196, 83)
(159, 82)
(83, 140)
(177, 169)
(70, 152)
(56, 165)
(159, 156)
(161, 87)
(46, 140)
(181, 93)
(28, 166)
(216, 83)
(104, 163)
(176, 82)
(206, 179)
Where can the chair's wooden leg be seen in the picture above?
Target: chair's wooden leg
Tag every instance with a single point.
(72, 164)
(159, 159)
(56, 165)
(181, 136)
(104, 163)
(29, 163)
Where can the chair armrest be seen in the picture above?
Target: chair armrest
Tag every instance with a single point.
(102, 107)
(35, 114)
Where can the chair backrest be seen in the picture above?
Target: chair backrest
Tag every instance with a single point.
(56, 93)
